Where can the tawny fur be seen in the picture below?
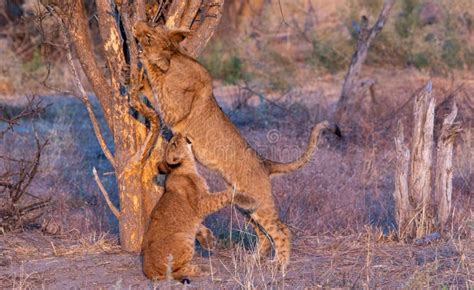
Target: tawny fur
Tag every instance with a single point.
(178, 215)
(183, 94)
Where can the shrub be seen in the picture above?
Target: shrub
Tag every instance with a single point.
(407, 20)
(451, 53)
(325, 55)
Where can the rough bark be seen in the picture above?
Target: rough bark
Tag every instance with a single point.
(208, 17)
(421, 160)
(75, 19)
(137, 148)
(366, 36)
(403, 208)
(418, 214)
(444, 167)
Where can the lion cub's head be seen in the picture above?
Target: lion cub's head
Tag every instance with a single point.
(178, 153)
(158, 43)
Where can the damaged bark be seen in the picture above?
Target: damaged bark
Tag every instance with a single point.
(420, 209)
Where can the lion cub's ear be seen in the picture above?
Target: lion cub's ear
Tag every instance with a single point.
(179, 34)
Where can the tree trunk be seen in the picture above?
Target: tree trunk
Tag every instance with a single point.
(417, 214)
(421, 160)
(138, 148)
(403, 208)
(364, 41)
(444, 167)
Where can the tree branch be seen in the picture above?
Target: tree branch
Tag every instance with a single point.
(112, 40)
(364, 41)
(112, 207)
(210, 16)
(28, 177)
(76, 23)
(188, 17)
(152, 116)
(175, 13)
(140, 10)
(85, 100)
(137, 78)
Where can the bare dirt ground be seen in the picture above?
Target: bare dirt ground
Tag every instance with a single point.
(33, 260)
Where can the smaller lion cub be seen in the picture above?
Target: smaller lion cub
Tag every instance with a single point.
(168, 245)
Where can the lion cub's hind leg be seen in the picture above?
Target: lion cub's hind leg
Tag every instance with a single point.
(270, 227)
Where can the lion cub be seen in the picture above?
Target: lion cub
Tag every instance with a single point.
(168, 245)
(182, 90)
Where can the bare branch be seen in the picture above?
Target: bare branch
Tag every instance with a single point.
(27, 177)
(32, 109)
(35, 206)
(112, 207)
(140, 10)
(161, 10)
(209, 17)
(74, 18)
(85, 100)
(190, 14)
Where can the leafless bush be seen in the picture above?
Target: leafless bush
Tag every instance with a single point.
(19, 207)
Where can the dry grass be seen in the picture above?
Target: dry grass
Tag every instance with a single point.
(367, 259)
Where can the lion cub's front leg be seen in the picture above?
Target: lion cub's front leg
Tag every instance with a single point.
(212, 202)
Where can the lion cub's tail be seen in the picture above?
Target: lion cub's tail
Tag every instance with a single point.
(277, 167)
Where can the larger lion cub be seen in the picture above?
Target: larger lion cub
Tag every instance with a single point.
(183, 94)
(168, 246)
